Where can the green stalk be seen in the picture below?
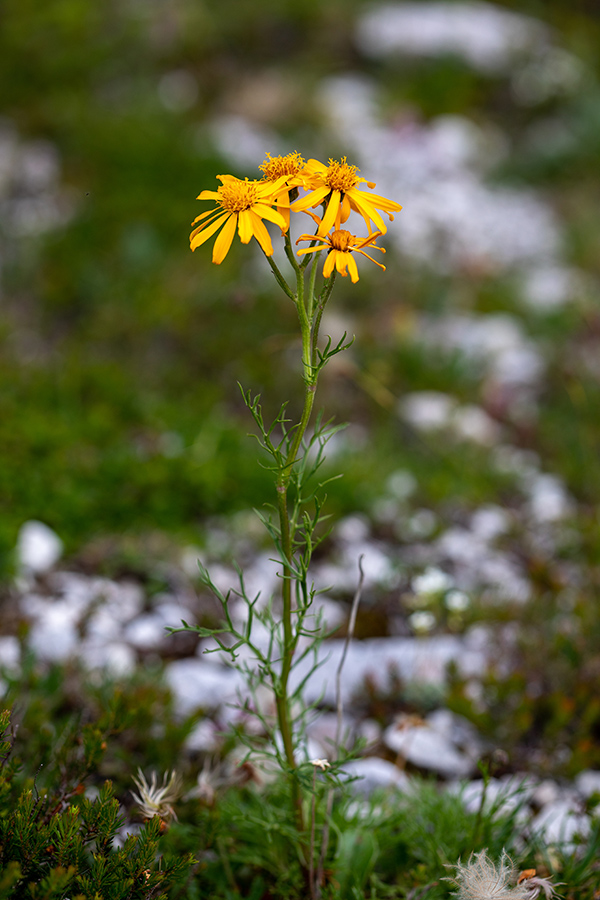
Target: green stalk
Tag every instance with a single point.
(314, 338)
(309, 319)
(283, 480)
(280, 279)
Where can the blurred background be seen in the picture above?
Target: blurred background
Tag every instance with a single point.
(472, 388)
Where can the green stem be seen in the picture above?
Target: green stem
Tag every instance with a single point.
(311, 285)
(309, 327)
(290, 254)
(280, 279)
(314, 338)
(287, 549)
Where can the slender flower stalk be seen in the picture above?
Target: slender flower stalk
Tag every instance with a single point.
(246, 205)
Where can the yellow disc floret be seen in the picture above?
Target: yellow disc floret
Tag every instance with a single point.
(234, 196)
(342, 240)
(340, 176)
(276, 166)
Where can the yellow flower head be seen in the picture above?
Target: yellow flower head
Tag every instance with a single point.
(337, 186)
(341, 245)
(276, 166)
(289, 167)
(239, 203)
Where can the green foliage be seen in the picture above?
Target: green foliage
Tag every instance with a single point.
(56, 840)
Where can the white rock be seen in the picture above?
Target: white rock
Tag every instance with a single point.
(146, 632)
(197, 684)
(424, 660)
(54, 636)
(115, 658)
(427, 410)
(372, 773)
(425, 747)
(124, 599)
(171, 612)
(103, 626)
(332, 612)
(401, 484)
(471, 423)
(204, 737)
(343, 574)
(433, 581)
(502, 796)
(546, 792)
(560, 822)
(457, 601)
(457, 729)
(352, 529)
(189, 559)
(10, 653)
(549, 500)
(550, 287)
(38, 547)
(422, 621)
(588, 782)
(490, 522)
(370, 731)
(484, 35)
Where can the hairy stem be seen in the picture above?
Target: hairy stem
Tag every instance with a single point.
(279, 277)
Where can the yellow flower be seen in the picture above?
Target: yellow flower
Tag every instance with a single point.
(341, 246)
(243, 204)
(336, 185)
(290, 167)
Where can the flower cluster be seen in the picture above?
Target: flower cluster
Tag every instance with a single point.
(336, 188)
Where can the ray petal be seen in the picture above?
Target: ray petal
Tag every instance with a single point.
(208, 212)
(261, 234)
(330, 213)
(311, 199)
(381, 266)
(313, 249)
(208, 231)
(382, 202)
(368, 212)
(329, 263)
(245, 226)
(352, 268)
(265, 212)
(223, 241)
(341, 261)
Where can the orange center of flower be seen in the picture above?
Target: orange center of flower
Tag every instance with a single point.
(238, 195)
(275, 167)
(341, 240)
(340, 176)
